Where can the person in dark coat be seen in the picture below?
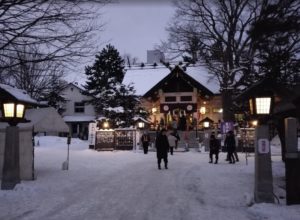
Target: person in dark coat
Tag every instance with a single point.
(162, 148)
(214, 148)
(230, 146)
(145, 141)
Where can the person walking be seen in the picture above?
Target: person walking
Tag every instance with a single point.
(230, 146)
(172, 142)
(145, 141)
(214, 148)
(162, 148)
(176, 135)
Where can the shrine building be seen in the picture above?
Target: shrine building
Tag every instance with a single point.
(169, 93)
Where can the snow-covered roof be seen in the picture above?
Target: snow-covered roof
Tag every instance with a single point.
(46, 120)
(79, 118)
(141, 119)
(19, 94)
(143, 79)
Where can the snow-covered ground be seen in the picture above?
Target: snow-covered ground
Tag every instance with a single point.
(126, 185)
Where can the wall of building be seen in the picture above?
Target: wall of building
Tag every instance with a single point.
(213, 107)
(73, 94)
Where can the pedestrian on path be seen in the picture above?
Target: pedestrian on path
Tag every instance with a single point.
(145, 141)
(162, 148)
(230, 146)
(172, 142)
(176, 135)
(214, 148)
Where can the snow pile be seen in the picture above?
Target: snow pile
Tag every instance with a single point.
(127, 185)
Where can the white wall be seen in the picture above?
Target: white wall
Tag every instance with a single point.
(72, 94)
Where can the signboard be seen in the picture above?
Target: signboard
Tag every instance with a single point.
(92, 134)
(263, 146)
(226, 126)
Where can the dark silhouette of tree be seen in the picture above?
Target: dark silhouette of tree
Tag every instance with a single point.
(61, 30)
(216, 32)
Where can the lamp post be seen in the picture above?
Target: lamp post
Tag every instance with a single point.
(260, 108)
(13, 112)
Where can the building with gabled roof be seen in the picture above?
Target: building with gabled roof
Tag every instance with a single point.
(78, 112)
(169, 93)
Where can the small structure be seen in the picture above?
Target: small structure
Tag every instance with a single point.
(47, 120)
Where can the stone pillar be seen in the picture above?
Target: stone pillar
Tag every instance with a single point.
(11, 165)
(292, 162)
(263, 190)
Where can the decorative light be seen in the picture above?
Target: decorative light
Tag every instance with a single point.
(13, 112)
(9, 110)
(260, 105)
(263, 105)
(141, 124)
(206, 124)
(254, 123)
(154, 110)
(202, 110)
(20, 111)
(105, 125)
(220, 110)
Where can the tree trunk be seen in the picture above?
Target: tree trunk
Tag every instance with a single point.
(227, 104)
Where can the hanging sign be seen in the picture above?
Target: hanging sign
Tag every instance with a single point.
(263, 146)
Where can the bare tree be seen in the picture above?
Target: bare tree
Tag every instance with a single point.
(216, 32)
(130, 60)
(37, 78)
(62, 30)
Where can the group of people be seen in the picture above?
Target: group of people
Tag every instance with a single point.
(229, 144)
(166, 142)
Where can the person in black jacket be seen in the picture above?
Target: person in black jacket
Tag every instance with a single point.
(230, 145)
(145, 141)
(162, 148)
(214, 148)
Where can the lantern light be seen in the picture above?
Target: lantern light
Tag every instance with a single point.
(8, 110)
(13, 113)
(141, 125)
(254, 123)
(154, 110)
(202, 110)
(105, 125)
(206, 124)
(260, 105)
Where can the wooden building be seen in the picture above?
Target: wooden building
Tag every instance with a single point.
(170, 93)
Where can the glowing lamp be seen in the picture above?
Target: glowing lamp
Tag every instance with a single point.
(260, 105)
(206, 124)
(202, 110)
(13, 112)
(105, 125)
(141, 125)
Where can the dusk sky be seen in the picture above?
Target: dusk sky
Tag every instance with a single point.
(134, 27)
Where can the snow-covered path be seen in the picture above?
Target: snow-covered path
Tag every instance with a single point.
(126, 185)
